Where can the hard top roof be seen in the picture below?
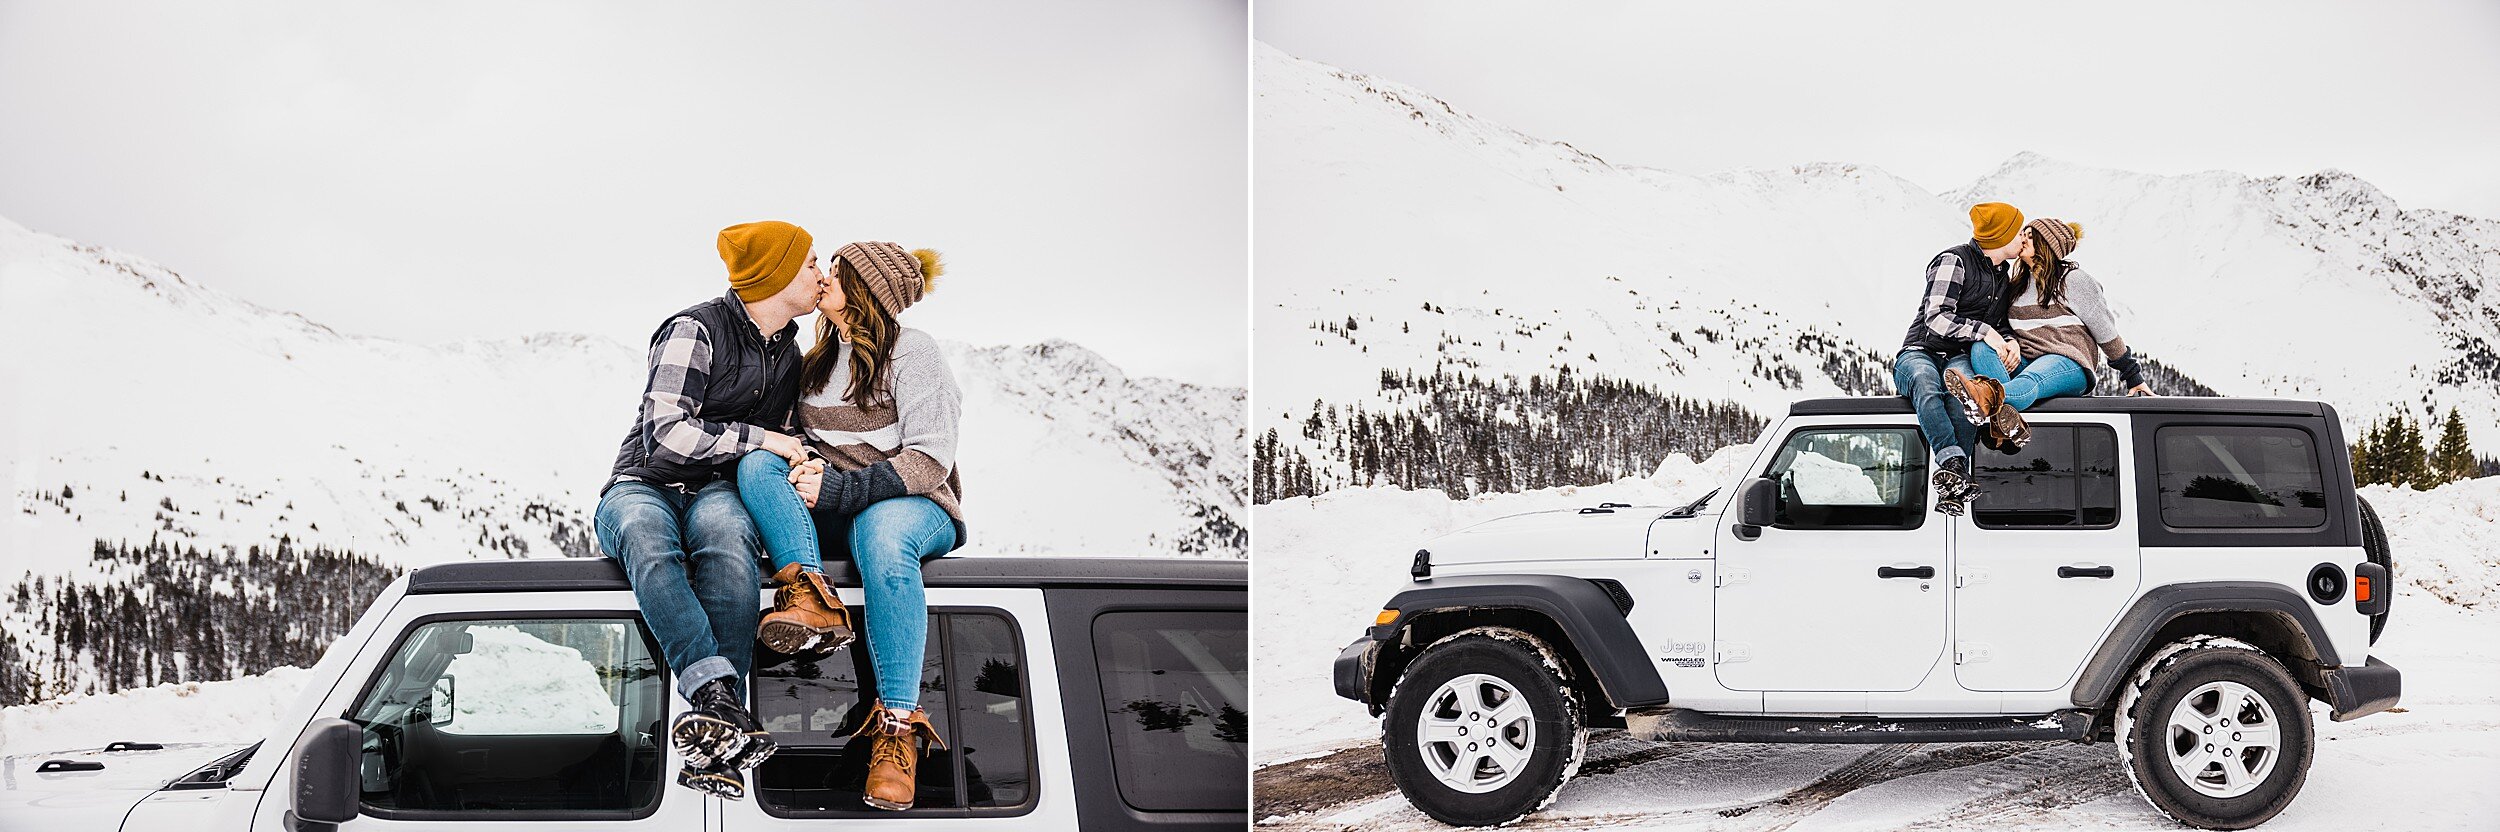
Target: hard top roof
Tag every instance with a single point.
(1872, 405)
(601, 573)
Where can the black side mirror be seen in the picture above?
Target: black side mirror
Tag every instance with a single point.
(327, 787)
(1756, 505)
(440, 704)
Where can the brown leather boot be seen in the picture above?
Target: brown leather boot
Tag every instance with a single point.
(896, 738)
(807, 620)
(2008, 430)
(1979, 395)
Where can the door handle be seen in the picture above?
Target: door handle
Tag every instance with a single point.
(1911, 572)
(2087, 572)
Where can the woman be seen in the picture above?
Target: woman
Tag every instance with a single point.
(2060, 322)
(880, 411)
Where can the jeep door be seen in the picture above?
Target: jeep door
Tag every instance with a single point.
(2047, 557)
(1845, 591)
(540, 710)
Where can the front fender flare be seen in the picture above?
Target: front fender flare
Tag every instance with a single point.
(1587, 614)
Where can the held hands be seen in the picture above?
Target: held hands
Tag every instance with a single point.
(2007, 351)
(809, 479)
(785, 446)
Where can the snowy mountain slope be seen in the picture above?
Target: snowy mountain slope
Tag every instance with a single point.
(1450, 242)
(143, 405)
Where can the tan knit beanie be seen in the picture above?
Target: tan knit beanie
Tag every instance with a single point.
(897, 278)
(2059, 236)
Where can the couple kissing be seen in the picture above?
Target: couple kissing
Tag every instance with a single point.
(743, 447)
(2007, 322)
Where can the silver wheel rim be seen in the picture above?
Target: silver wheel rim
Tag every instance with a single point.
(1476, 733)
(2223, 739)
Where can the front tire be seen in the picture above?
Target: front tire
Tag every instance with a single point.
(2215, 734)
(1483, 727)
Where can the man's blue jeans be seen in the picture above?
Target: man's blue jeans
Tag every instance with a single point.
(1949, 433)
(2044, 376)
(691, 558)
(887, 541)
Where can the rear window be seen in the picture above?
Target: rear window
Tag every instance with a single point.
(2215, 476)
(972, 683)
(1175, 689)
(2066, 478)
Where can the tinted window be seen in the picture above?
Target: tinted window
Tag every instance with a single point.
(1175, 696)
(2242, 477)
(1851, 478)
(972, 683)
(2066, 478)
(552, 718)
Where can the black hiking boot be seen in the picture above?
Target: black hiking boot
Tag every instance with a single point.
(719, 731)
(716, 780)
(1953, 488)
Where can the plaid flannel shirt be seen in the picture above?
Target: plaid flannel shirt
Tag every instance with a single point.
(670, 420)
(1937, 314)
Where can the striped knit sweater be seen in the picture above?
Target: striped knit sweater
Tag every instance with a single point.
(2078, 326)
(916, 429)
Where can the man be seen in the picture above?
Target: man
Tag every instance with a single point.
(723, 380)
(1965, 305)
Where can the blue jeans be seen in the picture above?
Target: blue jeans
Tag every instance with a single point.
(1949, 433)
(2044, 376)
(691, 558)
(887, 541)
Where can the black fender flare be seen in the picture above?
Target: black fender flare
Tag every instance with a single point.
(2134, 633)
(1589, 616)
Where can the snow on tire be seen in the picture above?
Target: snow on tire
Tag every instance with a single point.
(2214, 733)
(1483, 727)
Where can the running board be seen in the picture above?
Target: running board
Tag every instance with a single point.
(1683, 725)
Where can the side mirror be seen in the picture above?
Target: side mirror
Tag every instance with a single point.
(438, 711)
(326, 784)
(1757, 504)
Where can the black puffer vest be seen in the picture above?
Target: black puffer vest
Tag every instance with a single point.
(752, 380)
(1983, 297)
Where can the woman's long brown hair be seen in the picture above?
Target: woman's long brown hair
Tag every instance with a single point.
(2038, 265)
(872, 334)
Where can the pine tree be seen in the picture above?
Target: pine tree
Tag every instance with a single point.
(2364, 471)
(2453, 458)
(2407, 463)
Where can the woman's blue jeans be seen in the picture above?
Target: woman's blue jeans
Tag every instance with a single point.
(2044, 376)
(887, 541)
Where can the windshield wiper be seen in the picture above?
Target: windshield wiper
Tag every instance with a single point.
(1691, 508)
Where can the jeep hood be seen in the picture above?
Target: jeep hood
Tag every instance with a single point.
(1570, 534)
(98, 800)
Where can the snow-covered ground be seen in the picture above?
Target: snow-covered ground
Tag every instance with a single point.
(1325, 564)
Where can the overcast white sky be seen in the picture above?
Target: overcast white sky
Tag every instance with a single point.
(2403, 94)
(440, 170)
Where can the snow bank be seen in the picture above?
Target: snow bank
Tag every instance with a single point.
(511, 682)
(2445, 540)
(239, 711)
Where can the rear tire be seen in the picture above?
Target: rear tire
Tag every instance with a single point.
(2214, 733)
(1483, 727)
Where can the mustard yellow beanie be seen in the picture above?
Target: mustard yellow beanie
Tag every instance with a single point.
(763, 256)
(1992, 224)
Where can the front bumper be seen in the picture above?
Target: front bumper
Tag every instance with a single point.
(2356, 692)
(1354, 671)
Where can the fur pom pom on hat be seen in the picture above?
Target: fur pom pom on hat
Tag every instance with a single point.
(898, 278)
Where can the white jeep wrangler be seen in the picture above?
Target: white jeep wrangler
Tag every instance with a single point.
(1101, 693)
(2180, 575)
